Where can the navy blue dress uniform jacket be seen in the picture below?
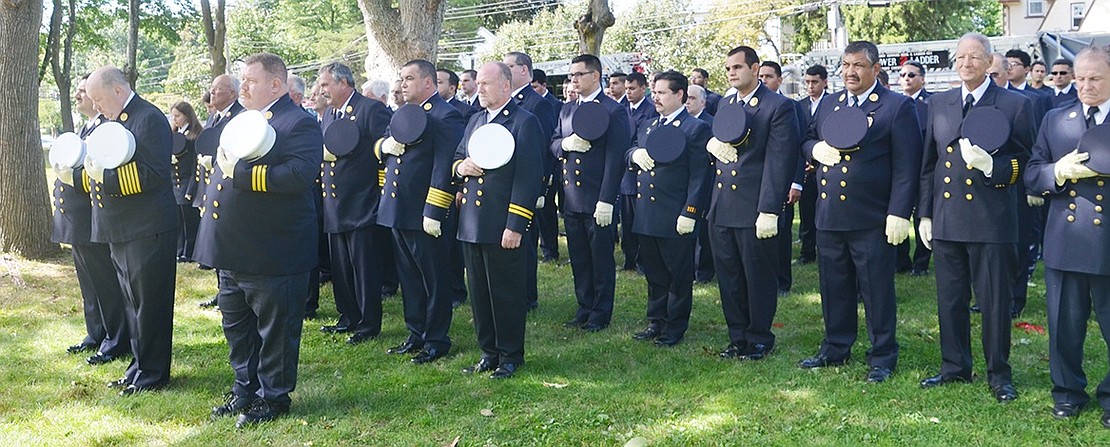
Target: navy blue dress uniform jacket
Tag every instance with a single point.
(263, 221)
(504, 197)
(201, 179)
(951, 191)
(184, 172)
(922, 103)
(544, 112)
(879, 179)
(639, 118)
(465, 109)
(1063, 98)
(72, 206)
(758, 181)
(418, 183)
(140, 187)
(595, 175)
(350, 183)
(1076, 238)
(676, 188)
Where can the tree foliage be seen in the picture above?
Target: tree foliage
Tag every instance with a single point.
(902, 22)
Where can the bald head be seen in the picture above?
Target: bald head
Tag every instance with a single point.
(108, 89)
(494, 85)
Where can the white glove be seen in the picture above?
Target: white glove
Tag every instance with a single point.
(432, 227)
(825, 154)
(925, 229)
(685, 225)
(226, 163)
(976, 157)
(539, 203)
(64, 174)
(721, 150)
(173, 159)
(328, 156)
(575, 143)
(392, 147)
(1034, 200)
(1071, 166)
(897, 229)
(766, 225)
(94, 169)
(603, 214)
(206, 162)
(642, 159)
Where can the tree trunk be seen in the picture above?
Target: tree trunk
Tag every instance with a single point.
(132, 68)
(24, 206)
(215, 34)
(52, 38)
(591, 26)
(396, 35)
(63, 69)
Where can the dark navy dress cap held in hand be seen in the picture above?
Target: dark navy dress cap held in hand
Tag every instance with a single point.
(845, 128)
(986, 127)
(590, 120)
(730, 124)
(341, 137)
(666, 143)
(408, 123)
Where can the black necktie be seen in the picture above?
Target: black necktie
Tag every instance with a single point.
(1091, 112)
(852, 101)
(663, 122)
(968, 101)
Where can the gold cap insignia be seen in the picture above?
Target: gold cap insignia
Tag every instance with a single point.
(123, 116)
(754, 102)
(873, 97)
(520, 96)
(269, 114)
(427, 106)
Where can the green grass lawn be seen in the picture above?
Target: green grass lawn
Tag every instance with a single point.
(577, 388)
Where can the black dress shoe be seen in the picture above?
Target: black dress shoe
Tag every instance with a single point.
(335, 329)
(233, 405)
(666, 341)
(119, 383)
(81, 347)
(757, 351)
(504, 371)
(261, 410)
(547, 259)
(878, 374)
(483, 365)
(1004, 392)
(941, 379)
(360, 337)
(731, 352)
(802, 261)
(574, 324)
(405, 348)
(591, 327)
(101, 358)
(647, 334)
(388, 291)
(207, 304)
(1105, 419)
(1065, 410)
(428, 355)
(975, 309)
(821, 361)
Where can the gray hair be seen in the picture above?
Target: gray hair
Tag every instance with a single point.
(980, 39)
(340, 72)
(379, 87)
(113, 77)
(505, 71)
(1005, 62)
(695, 90)
(296, 83)
(1095, 52)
